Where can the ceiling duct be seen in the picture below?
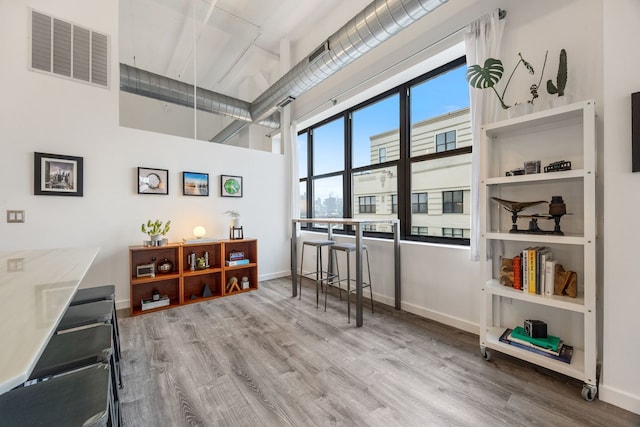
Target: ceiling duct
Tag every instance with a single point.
(376, 23)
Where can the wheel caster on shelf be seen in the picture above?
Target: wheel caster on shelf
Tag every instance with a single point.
(485, 354)
(589, 392)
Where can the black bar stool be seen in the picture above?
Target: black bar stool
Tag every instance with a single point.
(100, 293)
(319, 274)
(348, 248)
(89, 314)
(79, 398)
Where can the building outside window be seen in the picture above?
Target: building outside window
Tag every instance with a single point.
(445, 141)
(452, 202)
(394, 203)
(382, 155)
(419, 203)
(367, 204)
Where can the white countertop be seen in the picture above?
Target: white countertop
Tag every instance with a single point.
(36, 287)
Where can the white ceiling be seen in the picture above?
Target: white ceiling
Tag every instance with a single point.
(238, 46)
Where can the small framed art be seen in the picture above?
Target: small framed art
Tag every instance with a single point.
(230, 186)
(195, 184)
(57, 175)
(153, 181)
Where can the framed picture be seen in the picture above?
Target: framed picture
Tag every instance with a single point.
(153, 181)
(57, 175)
(230, 186)
(195, 184)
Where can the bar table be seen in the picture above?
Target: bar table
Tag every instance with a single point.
(357, 225)
(36, 287)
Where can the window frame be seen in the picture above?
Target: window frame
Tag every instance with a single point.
(453, 202)
(403, 164)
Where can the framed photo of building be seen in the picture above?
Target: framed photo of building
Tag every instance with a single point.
(57, 175)
(153, 181)
(195, 184)
(230, 186)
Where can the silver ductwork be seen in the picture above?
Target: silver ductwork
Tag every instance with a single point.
(376, 23)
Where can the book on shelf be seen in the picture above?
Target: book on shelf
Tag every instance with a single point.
(542, 255)
(550, 276)
(531, 253)
(565, 352)
(517, 272)
(549, 342)
(236, 262)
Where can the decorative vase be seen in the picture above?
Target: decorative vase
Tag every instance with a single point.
(519, 110)
(235, 222)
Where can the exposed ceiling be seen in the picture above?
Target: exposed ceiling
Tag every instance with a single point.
(238, 41)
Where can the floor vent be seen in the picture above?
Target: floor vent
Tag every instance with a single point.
(67, 50)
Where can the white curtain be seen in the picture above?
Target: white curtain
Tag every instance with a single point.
(482, 40)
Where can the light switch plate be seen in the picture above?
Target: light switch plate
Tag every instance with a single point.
(15, 216)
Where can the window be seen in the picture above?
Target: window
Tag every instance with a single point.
(384, 158)
(368, 227)
(419, 203)
(367, 204)
(382, 155)
(420, 231)
(445, 141)
(452, 202)
(452, 232)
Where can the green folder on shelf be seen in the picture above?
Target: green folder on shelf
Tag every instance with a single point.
(549, 342)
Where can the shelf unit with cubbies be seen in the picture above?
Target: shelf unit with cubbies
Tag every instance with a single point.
(563, 133)
(188, 282)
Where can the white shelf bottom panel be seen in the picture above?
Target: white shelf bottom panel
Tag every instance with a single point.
(575, 369)
(573, 304)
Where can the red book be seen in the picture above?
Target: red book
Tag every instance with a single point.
(517, 273)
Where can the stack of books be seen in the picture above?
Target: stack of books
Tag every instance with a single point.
(550, 346)
(534, 271)
(149, 303)
(236, 258)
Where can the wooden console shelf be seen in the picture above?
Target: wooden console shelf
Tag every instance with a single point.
(184, 284)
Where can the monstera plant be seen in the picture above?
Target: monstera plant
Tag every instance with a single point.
(491, 73)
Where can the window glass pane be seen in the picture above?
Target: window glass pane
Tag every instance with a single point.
(376, 131)
(328, 147)
(374, 194)
(302, 155)
(436, 178)
(438, 106)
(327, 198)
(303, 199)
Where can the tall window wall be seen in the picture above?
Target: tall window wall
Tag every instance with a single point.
(403, 154)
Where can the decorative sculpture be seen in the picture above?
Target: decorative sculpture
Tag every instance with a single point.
(557, 209)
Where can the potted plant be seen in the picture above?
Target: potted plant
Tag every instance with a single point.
(155, 230)
(491, 73)
(235, 218)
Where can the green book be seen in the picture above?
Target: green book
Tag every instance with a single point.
(549, 342)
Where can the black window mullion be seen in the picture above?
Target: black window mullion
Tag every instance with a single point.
(404, 166)
(347, 191)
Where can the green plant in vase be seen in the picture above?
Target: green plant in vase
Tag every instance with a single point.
(155, 230)
(488, 76)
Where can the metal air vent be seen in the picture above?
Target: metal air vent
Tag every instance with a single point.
(324, 48)
(65, 49)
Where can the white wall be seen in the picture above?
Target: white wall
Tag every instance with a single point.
(621, 371)
(43, 113)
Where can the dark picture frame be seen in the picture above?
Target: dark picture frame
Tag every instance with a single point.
(195, 184)
(230, 186)
(153, 181)
(635, 132)
(57, 175)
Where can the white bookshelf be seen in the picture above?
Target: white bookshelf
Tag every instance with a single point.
(564, 133)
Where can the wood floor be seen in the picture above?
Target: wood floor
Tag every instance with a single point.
(265, 359)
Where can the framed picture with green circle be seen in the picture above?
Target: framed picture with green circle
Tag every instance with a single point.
(230, 186)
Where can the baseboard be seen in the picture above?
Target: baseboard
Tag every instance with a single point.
(619, 398)
(122, 304)
(275, 275)
(432, 315)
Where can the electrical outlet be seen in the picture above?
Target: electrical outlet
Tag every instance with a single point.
(15, 216)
